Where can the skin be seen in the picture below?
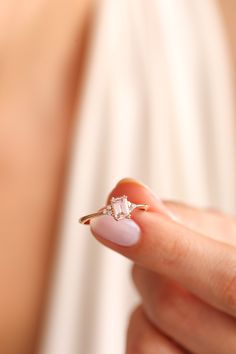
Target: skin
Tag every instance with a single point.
(185, 273)
(42, 47)
(40, 44)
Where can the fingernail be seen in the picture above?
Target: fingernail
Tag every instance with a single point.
(132, 180)
(123, 232)
(162, 208)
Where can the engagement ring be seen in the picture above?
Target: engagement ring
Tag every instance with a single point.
(120, 208)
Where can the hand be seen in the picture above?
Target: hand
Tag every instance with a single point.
(185, 273)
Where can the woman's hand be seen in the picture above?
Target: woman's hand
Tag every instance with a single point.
(185, 272)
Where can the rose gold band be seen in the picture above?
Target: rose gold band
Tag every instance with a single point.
(85, 220)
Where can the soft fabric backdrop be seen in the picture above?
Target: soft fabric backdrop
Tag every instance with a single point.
(157, 105)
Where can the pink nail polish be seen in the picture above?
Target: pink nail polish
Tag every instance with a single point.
(123, 232)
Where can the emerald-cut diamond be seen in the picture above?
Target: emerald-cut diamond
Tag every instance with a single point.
(120, 207)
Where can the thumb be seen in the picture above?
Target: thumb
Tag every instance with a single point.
(210, 222)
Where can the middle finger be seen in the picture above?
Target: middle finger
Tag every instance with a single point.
(189, 321)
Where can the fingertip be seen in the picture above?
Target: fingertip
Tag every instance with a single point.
(138, 192)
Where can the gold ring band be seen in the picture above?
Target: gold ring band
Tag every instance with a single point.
(120, 208)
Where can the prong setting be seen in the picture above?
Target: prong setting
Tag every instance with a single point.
(120, 208)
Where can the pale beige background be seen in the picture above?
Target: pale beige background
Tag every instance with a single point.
(158, 106)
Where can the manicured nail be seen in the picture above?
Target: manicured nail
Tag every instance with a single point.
(162, 208)
(135, 181)
(123, 232)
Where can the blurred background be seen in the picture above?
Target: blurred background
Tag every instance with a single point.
(158, 105)
(155, 102)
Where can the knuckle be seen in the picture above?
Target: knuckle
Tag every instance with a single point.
(172, 307)
(137, 339)
(166, 306)
(135, 316)
(137, 345)
(159, 304)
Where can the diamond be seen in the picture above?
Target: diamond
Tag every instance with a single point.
(107, 210)
(120, 207)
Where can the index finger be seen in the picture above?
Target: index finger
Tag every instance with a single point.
(204, 266)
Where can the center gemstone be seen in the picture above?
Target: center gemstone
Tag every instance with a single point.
(120, 208)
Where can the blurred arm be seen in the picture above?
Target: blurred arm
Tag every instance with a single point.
(40, 45)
